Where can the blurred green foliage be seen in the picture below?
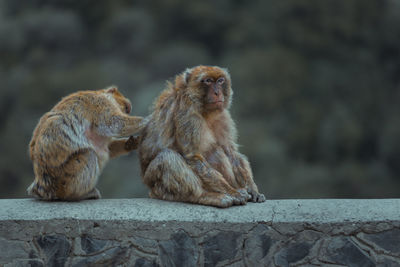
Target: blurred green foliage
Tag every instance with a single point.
(316, 82)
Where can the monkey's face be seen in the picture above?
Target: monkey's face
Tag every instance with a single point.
(124, 103)
(211, 85)
(213, 88)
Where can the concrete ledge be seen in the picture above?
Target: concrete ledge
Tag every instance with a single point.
(146, 232)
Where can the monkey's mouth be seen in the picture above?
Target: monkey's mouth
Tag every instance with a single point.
(215, 104)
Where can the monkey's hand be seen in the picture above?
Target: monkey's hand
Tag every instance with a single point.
(132, 143)
(244, 194)
(255, 195)
(213, 179)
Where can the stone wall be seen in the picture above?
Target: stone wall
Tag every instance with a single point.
(145, 232)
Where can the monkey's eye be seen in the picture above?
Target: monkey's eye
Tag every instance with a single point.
(221, 80)
(207, 81)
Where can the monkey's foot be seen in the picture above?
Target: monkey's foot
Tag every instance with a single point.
(94, 194)
(225, 202)
(255, 196)
(240, 197)
(215, 199)
(243, 192)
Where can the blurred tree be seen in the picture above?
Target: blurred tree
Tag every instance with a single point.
(316, 83)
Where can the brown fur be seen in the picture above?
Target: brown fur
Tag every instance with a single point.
(188, 149)
(74, 140)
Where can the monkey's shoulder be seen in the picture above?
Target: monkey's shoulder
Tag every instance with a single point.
(87, 103)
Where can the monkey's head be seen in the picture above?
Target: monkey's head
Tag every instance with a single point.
(124, 103)
(209, 87)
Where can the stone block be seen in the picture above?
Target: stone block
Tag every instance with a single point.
(150, 233)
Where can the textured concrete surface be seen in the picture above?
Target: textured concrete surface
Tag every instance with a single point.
(146, 232)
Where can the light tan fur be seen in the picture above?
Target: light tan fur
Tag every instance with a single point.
(188, 149)
(74, 140)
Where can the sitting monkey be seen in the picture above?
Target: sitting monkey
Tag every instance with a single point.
(73, 141)
(188, 149)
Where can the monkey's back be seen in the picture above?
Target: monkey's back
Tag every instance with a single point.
(159, 132)
(58, 135)
(62, 131)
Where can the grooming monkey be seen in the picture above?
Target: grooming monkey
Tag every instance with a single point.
(74, 140)
(188, 149)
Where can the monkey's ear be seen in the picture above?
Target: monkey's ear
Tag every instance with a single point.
(186, 75)
(226, 71)
(112, 89)
(182, 80)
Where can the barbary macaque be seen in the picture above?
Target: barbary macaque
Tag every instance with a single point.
(188, 148)
(74, 140)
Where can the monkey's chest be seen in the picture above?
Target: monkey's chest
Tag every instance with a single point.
(207, 140)
(211, 138)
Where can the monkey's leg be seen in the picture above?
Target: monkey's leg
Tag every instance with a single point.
(123, 146)
(43, 186)
(78, 177)
(219, 161)
(243, 174)
(170, 178)
(213, 181)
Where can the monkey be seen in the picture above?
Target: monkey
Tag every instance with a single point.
(188, 150)
(74, 140)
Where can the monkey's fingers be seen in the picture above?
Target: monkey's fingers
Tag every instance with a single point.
(239, 201)
(226, 201)
(244, 193)
(132, 143)
(240, 197)
(256, 197)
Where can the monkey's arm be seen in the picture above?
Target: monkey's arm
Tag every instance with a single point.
(243, 174)
(211, 178)
(123, 146)
(188, 138)
(120, 125)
